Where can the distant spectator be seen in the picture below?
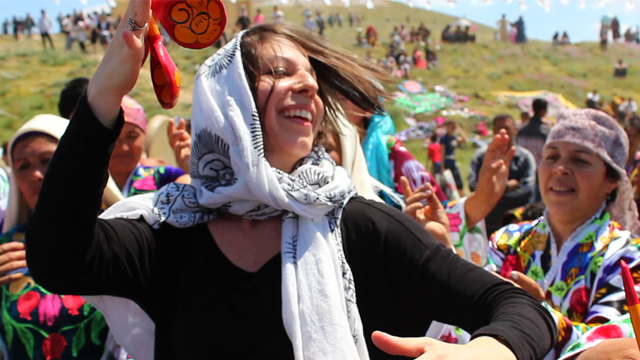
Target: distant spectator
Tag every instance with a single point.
(533, 134)
(593, 100)
(278, 16)
(615, 29)
(351, 19)
(522, 175)
(320, 23)
(632, 128)
(620, 70)
(627, 108)
(372, 36)
(243, 21)
(45, 25)
(28, 24)
(565, 39)
(434, 155)
(504, 31)
(604, 35)
(524, 118)
(451, 141)
(521, 37)
(330, 20)
(16, 28)
(309, 23)
(70, 95)
(5, 27)
(339, 19)
(556, 38)
(104, 31)
(259, 18)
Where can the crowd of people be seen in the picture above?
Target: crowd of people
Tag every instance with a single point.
(287, 212)
(511, 32)
(610, 29)
(78, 27)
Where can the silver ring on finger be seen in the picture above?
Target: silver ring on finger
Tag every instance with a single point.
(133, 26)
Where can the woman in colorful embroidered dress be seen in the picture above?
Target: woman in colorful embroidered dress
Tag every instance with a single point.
(129, 174)
(569, 257)
(37, 324)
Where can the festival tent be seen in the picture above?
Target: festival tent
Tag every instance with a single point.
(524, 99)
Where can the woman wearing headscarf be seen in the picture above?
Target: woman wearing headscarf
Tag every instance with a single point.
(268, 240)
(38, 324)
(132, 177)
(569, 257)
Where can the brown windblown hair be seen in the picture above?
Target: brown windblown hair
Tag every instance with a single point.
(337, 71)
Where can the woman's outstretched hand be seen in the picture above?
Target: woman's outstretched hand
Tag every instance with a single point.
(120, 67)
(432, 217)
(424, 348)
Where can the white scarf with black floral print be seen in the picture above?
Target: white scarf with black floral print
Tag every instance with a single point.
(230, 174)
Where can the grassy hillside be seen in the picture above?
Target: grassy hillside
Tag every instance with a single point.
(30, 79)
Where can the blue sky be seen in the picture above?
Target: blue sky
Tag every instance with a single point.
(581, 23)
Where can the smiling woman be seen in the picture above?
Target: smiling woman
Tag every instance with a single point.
(270, 239)
(569, 257)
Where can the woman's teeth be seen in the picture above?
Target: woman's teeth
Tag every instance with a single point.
(559, 189)
(304, 114)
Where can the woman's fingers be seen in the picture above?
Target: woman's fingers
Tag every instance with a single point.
(394, 345)
(406, 188)
(8, 279)
(528, 284)
(11, 246)
(12, 266)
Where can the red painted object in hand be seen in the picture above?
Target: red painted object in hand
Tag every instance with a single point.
(194, 24)
(164, 73)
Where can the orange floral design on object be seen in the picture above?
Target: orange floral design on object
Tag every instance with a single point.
(198, 21)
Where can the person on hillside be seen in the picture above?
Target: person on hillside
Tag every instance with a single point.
(372, 36)
(632, 129)
(243, 22)
(451, 141)
(259, 18)
(331, 20)
(28, 24)
(533, 135)
(16, 28)
(434, 154)
(503, 26)
(310, 24)
(5, 27)
(320, 22)
(522, 175)
(277, 17)
(45, 25)
(593, 100)
(78, 32)
(281, 196)
(130, 175)
(524, 118)
(339, 19)
(104, 31)
(604, 35)
(38, 324)
(565, 39)
(615, 29)
(627, 108)
(620, 70)
(556, 38)
(521, 37)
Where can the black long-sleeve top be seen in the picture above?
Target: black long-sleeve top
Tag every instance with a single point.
(203, 306)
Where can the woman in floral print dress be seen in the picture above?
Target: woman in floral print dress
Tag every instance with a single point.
(35, 323)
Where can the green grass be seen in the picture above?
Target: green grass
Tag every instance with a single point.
(31, 79)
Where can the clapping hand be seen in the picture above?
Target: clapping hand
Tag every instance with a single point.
(432, 217)
(180, 141)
